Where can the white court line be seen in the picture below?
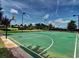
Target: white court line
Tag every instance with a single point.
(49, 45)
(52, 42)
(25, 47)
(75, 50)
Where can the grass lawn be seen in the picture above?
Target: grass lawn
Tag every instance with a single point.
(63, 42)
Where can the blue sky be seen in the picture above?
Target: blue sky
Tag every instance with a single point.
(57, 12)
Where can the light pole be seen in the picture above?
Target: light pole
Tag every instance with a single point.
(6, 26)
(23, 13)
(78, 19)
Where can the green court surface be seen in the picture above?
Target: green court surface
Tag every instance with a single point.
(57, 44)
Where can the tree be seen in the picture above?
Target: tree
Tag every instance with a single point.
(5, 22)
(50, 26)
(1, 14)
(25, 27)
(37, 26)
(21, 25)
(72, 26)
(30, 26)
(43, 26)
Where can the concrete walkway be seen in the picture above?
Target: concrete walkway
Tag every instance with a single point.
(15, 49)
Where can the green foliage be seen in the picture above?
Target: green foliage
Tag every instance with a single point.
(30, 27)
(72, 26)
(50, 27)
(4, 53)
(39, 26)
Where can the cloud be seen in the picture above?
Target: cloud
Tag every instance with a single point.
(60, 22)
(13, 4)
(33, 24)
(51, 22)
(74, 0)
(14, 11)
(46, 16)
(19, 5)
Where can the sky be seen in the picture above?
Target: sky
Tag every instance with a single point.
(56, 12)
